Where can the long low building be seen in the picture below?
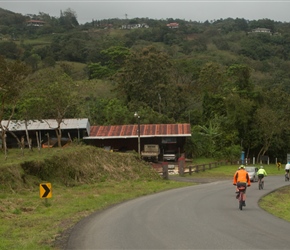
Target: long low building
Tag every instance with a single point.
(125, 137)
(44, 130)
(119, 138)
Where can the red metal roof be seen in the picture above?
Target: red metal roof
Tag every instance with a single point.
(35, 21)
(146, 130)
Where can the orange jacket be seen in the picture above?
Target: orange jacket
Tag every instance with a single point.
(242, 176)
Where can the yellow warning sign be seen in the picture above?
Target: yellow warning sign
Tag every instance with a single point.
(45, 190)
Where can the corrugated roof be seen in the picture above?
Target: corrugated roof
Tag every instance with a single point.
(146, 130)
(47, 124)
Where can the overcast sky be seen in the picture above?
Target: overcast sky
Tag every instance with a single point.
(156, 9)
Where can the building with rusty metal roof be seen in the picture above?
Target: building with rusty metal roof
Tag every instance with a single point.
(119, 138)
(125, 137)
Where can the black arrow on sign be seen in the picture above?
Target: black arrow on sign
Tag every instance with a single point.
(47, 190)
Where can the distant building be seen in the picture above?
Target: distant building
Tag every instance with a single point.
(44, 130)
(108, 26)
(134, 26)
(36, 23)
(261, 30)
(119, 138)
(123, 138)
(173, 25)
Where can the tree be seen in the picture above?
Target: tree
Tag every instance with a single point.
(211, 78)
(116, 113)
(12, 75)
(212, 106)
(68, 18)
(145, 79)
(208, 135)
(96, 70)
(57, 96)
(239, 78)
(111, 60)
(115, 56)
(266, 121)
(9, 50)
(27, 110)
(240, 113)
(33, 61)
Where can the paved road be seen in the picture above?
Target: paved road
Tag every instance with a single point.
(205, 216)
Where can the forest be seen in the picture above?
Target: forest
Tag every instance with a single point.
(228, 78)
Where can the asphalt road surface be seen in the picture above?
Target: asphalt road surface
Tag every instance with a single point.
(204, 216)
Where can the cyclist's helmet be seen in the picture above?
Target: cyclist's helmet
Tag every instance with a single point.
(242, 167)
(261, 167)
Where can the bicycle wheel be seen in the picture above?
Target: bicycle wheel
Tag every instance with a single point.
(241, 201)
(262, 185)
(259, 184)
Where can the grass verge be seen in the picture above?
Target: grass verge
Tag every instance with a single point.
(277, 203)
(30, 222)
(84, 179)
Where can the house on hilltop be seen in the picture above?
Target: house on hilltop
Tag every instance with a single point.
(36, 23)
(173, 25)
(261, 30)
(134, 26)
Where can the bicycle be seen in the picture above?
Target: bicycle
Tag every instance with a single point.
(261, 182)
(241, 200)
(287, 177)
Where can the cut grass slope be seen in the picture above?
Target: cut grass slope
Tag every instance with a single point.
(71, 166)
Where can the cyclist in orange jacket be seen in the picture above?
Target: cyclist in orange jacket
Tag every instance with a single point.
(241, 178)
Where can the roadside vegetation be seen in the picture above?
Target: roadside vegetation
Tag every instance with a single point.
(230, 83)
(84, 180)
(277, 203)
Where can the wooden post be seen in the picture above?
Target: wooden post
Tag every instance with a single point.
(181, 164)
(165, 170)
(190, 170)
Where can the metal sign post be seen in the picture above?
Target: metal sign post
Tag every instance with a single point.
(45, 191)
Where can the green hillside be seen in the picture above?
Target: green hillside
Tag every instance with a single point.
(228, 78)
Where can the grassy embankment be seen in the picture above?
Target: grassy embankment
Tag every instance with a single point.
(84, 179)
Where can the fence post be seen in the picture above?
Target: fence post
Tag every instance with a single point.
(181, 166)
(196, 169)
(190, 170)
(165, 170)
